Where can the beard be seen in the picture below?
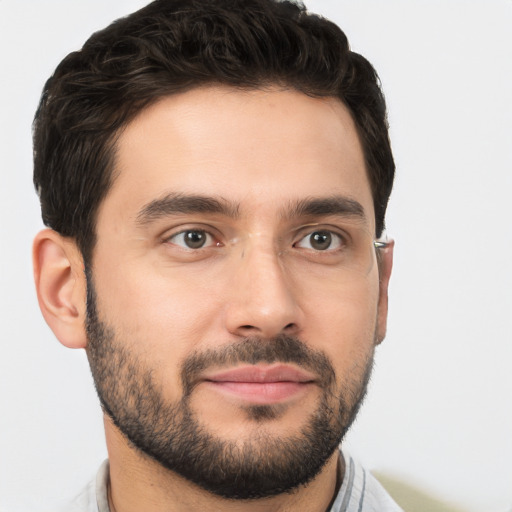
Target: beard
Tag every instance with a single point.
(171, 434)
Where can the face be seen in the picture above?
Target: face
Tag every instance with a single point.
(234, 298)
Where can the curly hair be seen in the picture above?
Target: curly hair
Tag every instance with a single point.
(171, 46)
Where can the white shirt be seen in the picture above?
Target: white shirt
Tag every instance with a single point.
(359, 492)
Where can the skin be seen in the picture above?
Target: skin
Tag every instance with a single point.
(260, 151)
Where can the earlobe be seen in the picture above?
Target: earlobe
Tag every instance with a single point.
(385, 267)
(61, 288)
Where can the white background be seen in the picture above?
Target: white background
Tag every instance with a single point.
(439, 413)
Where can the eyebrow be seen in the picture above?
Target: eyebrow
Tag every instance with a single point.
(333, 205)
(175, 204)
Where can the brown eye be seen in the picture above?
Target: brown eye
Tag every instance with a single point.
(320, 241)
(192, 239)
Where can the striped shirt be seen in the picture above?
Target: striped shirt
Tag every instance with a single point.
(359, 492)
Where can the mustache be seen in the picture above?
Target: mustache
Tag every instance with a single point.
(254, 350)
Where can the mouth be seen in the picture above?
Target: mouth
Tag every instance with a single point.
(261, 384)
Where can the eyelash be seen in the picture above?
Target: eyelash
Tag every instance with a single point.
(328, 235)
(331, 236)
(183, 232)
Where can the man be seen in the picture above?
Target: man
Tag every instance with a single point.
(214, 175)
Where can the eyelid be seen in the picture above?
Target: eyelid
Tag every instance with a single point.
(182, 229)
(308, 229)
(341, 240)
(219, 238)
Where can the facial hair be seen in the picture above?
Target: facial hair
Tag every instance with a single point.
(171, 434)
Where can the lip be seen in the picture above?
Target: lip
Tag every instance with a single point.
(261, 384)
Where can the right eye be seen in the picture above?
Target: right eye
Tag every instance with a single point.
(192, 239)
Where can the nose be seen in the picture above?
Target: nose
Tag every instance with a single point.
(263, 297)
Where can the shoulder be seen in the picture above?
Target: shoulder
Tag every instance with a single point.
(361, 492)
(93, 497)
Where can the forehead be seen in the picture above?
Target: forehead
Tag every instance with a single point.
(259, 149)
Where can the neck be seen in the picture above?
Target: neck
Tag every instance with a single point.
(139, 483)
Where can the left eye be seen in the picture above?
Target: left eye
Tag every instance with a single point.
(320, 241)
(192, 239)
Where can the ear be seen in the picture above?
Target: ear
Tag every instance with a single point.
(61, 286)
(385, 267)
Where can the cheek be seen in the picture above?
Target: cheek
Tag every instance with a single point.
(160, 316)
(342, 322)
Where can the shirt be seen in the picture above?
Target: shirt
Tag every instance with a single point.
(359, 492)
